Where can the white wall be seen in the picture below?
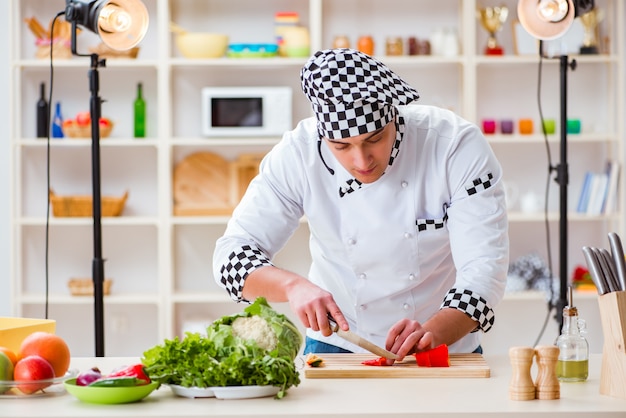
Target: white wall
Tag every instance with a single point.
(5, 173)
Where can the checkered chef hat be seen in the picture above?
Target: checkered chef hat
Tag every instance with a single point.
(352, 93)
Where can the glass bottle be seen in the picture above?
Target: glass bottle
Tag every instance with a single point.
(573, 362)
(43, 113)
(140, 113)
(57, 122)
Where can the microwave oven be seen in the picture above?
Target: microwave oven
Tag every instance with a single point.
(246, 111)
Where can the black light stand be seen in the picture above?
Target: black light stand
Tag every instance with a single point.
(562, 178)
(97, 269)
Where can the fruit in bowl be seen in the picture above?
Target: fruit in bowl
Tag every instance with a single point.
(38, 368)
(80, 126)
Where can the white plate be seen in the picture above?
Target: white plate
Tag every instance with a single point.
(192, 392)
(244, 392)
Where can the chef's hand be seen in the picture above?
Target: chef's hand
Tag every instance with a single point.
(312, 305)
(407, 337)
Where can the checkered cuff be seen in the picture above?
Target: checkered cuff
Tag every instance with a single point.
(471, 304)
(239, 265)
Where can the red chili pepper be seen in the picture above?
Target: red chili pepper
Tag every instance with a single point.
(380, 361)
(436, 357)
(136, 370)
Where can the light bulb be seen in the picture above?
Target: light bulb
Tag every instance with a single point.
(552, 10)
(114, 19)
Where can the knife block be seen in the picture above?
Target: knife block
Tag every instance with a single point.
(613, 317)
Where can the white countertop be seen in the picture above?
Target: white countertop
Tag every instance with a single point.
(395, 397)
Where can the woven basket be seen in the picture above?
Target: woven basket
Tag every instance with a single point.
(76, 206)
(84, 132)
(84, 287)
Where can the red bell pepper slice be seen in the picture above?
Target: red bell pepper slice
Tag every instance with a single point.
(435, 357)
(380, 361)
(136, 370)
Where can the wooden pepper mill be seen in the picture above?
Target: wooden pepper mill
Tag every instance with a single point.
(521, 387)
(547, 384)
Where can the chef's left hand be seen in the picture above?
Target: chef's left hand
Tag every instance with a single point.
(407, 337)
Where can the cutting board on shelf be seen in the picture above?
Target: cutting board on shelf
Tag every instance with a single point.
(342, 366)
(205, 184)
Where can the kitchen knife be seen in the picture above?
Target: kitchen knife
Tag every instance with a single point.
(604, 269)
(594, 271)
(618, 258)
(361, 342)
(610, 266)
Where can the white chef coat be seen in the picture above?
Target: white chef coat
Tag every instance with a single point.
(392, 249)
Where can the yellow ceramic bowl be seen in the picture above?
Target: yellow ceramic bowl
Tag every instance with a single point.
(202, 45)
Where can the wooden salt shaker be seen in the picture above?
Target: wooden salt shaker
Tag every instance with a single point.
(521, 387)
(547, 384)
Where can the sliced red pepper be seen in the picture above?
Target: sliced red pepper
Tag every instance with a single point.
(380, 361)
(136, 370)
(435, 357)
(422, 359)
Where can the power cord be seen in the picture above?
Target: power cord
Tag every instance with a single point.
(47, 242)
(551, 168)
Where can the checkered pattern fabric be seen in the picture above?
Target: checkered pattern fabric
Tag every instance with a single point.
(353, 184)
(479, 184)
(472, 304)
(239, 265)
(424, 224)
(352, 93)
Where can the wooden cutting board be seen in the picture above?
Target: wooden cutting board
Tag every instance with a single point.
(349, 366)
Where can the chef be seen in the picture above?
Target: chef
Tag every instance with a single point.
(406, 212)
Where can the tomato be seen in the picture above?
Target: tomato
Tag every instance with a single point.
(83, 118)
(105, 122)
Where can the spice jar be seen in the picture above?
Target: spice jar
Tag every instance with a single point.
(341, 41)
(393, 46)
(366, 45)
(413, 46)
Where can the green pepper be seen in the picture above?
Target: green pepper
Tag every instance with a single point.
(117, 382)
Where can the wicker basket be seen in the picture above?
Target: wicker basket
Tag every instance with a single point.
(84, 287)
(84, 132)
(76, 206)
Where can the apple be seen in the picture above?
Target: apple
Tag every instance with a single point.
(6, 371)
(33, 368)
(83, 118)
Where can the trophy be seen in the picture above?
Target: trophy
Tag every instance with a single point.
(492, 19)
(590, 22)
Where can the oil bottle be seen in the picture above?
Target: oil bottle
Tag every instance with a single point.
(573, 361)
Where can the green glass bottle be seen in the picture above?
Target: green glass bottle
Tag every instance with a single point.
(140, 113)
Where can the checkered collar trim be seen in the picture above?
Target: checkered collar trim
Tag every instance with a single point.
(352, 93)
(353, 184)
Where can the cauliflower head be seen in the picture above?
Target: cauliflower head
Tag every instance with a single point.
(255, 328)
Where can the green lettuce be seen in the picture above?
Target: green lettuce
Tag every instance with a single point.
(223, 358)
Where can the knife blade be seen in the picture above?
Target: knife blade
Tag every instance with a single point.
(604, 268)
(594, 271)
(618, 258)
(360, 341)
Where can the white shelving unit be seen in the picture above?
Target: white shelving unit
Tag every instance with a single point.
(160, 263)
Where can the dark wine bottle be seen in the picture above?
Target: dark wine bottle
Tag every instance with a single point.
(43, 113)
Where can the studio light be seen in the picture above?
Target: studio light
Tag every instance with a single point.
(121, 25)
(547, 20)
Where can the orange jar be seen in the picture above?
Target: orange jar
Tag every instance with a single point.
(366, 45)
